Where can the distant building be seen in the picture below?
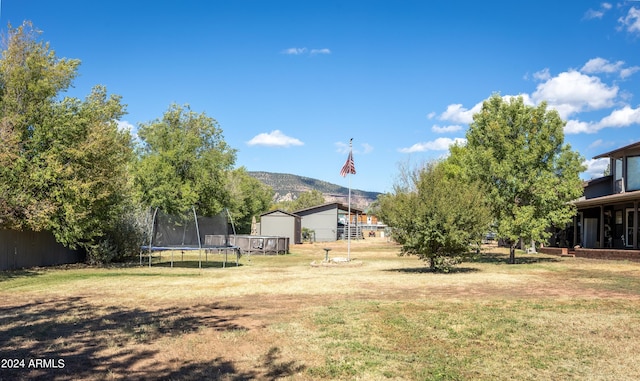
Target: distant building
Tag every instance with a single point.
(281, 224)
(329, 221)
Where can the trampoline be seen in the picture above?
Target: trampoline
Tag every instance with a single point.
(189, 232)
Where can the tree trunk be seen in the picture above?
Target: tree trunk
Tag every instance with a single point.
(512, 254)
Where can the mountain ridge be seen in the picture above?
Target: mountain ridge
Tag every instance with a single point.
(287, 186)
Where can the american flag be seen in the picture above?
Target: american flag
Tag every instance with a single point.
(349, 166)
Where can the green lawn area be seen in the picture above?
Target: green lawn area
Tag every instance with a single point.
(381, 317)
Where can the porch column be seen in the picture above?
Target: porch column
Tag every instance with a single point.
(635, 224)
(601, 225)
(575, 230)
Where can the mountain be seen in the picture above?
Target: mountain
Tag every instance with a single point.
(288, 187)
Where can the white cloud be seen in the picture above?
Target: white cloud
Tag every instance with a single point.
(601, 65)
(367, 148)
(526, 99)
(623, 117)
(596, 167)
(577, 127)
(440, 144)
(294, 51)
(458, 114)
(591, 14)
(542, 75)
(274, 139)
(597, 14)
(626, 72)
(342, 147)
(444, 129)
(301, 51)
(320, 51)
(597, 143)
(431, 115)
(631, 22)
(123, 125)
(572, 92)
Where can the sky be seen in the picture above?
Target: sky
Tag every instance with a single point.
(291, 82)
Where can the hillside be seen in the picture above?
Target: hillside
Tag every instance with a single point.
(288, 187)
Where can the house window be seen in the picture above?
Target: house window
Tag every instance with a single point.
(617, 176)
(633, 173)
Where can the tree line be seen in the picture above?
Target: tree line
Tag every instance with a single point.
(66, 166)
(515, 175)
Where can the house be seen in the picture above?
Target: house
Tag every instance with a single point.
(607, 215)
(328, 221)
(281, 224)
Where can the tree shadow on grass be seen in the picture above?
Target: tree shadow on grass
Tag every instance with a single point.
(427, 270)
(13, 274)
(79, 340)
(520, 259)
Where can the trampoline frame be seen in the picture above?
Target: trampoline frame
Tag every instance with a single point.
(182, 248)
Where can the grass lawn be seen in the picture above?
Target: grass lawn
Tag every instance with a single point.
(380, 317)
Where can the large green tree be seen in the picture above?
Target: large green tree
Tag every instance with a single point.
(31, 77)
(529, 174)
(249, 197)
(63, 163)
(435, 214)
(183, 162)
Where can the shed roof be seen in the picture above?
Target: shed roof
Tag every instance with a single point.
(279, 211)
(338, 205)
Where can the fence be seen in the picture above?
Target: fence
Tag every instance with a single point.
(252, 243)
(22, 249)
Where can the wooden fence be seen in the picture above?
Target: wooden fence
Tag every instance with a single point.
(23, 249)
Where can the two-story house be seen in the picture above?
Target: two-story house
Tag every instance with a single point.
(608, 212)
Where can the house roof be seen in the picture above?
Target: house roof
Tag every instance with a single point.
(611, 199)
(338, 205)
(619, 151)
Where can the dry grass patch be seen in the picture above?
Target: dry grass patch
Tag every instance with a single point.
(278, 317)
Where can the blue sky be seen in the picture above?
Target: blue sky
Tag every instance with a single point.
(290, 82)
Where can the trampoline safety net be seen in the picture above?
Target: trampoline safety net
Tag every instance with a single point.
(188, 230)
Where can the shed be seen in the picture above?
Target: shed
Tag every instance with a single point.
(327, 220)
(281, 224)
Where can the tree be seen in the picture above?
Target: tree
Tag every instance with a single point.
(183, 162)
(31, 77)
(308, 199)
(304, 200)
(435, 215)
(517, 152)
(81, 169)
(63, 163)
(249, 197)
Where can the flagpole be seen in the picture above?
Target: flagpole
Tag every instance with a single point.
(349, 214)
(349, 169)
(349, 210)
